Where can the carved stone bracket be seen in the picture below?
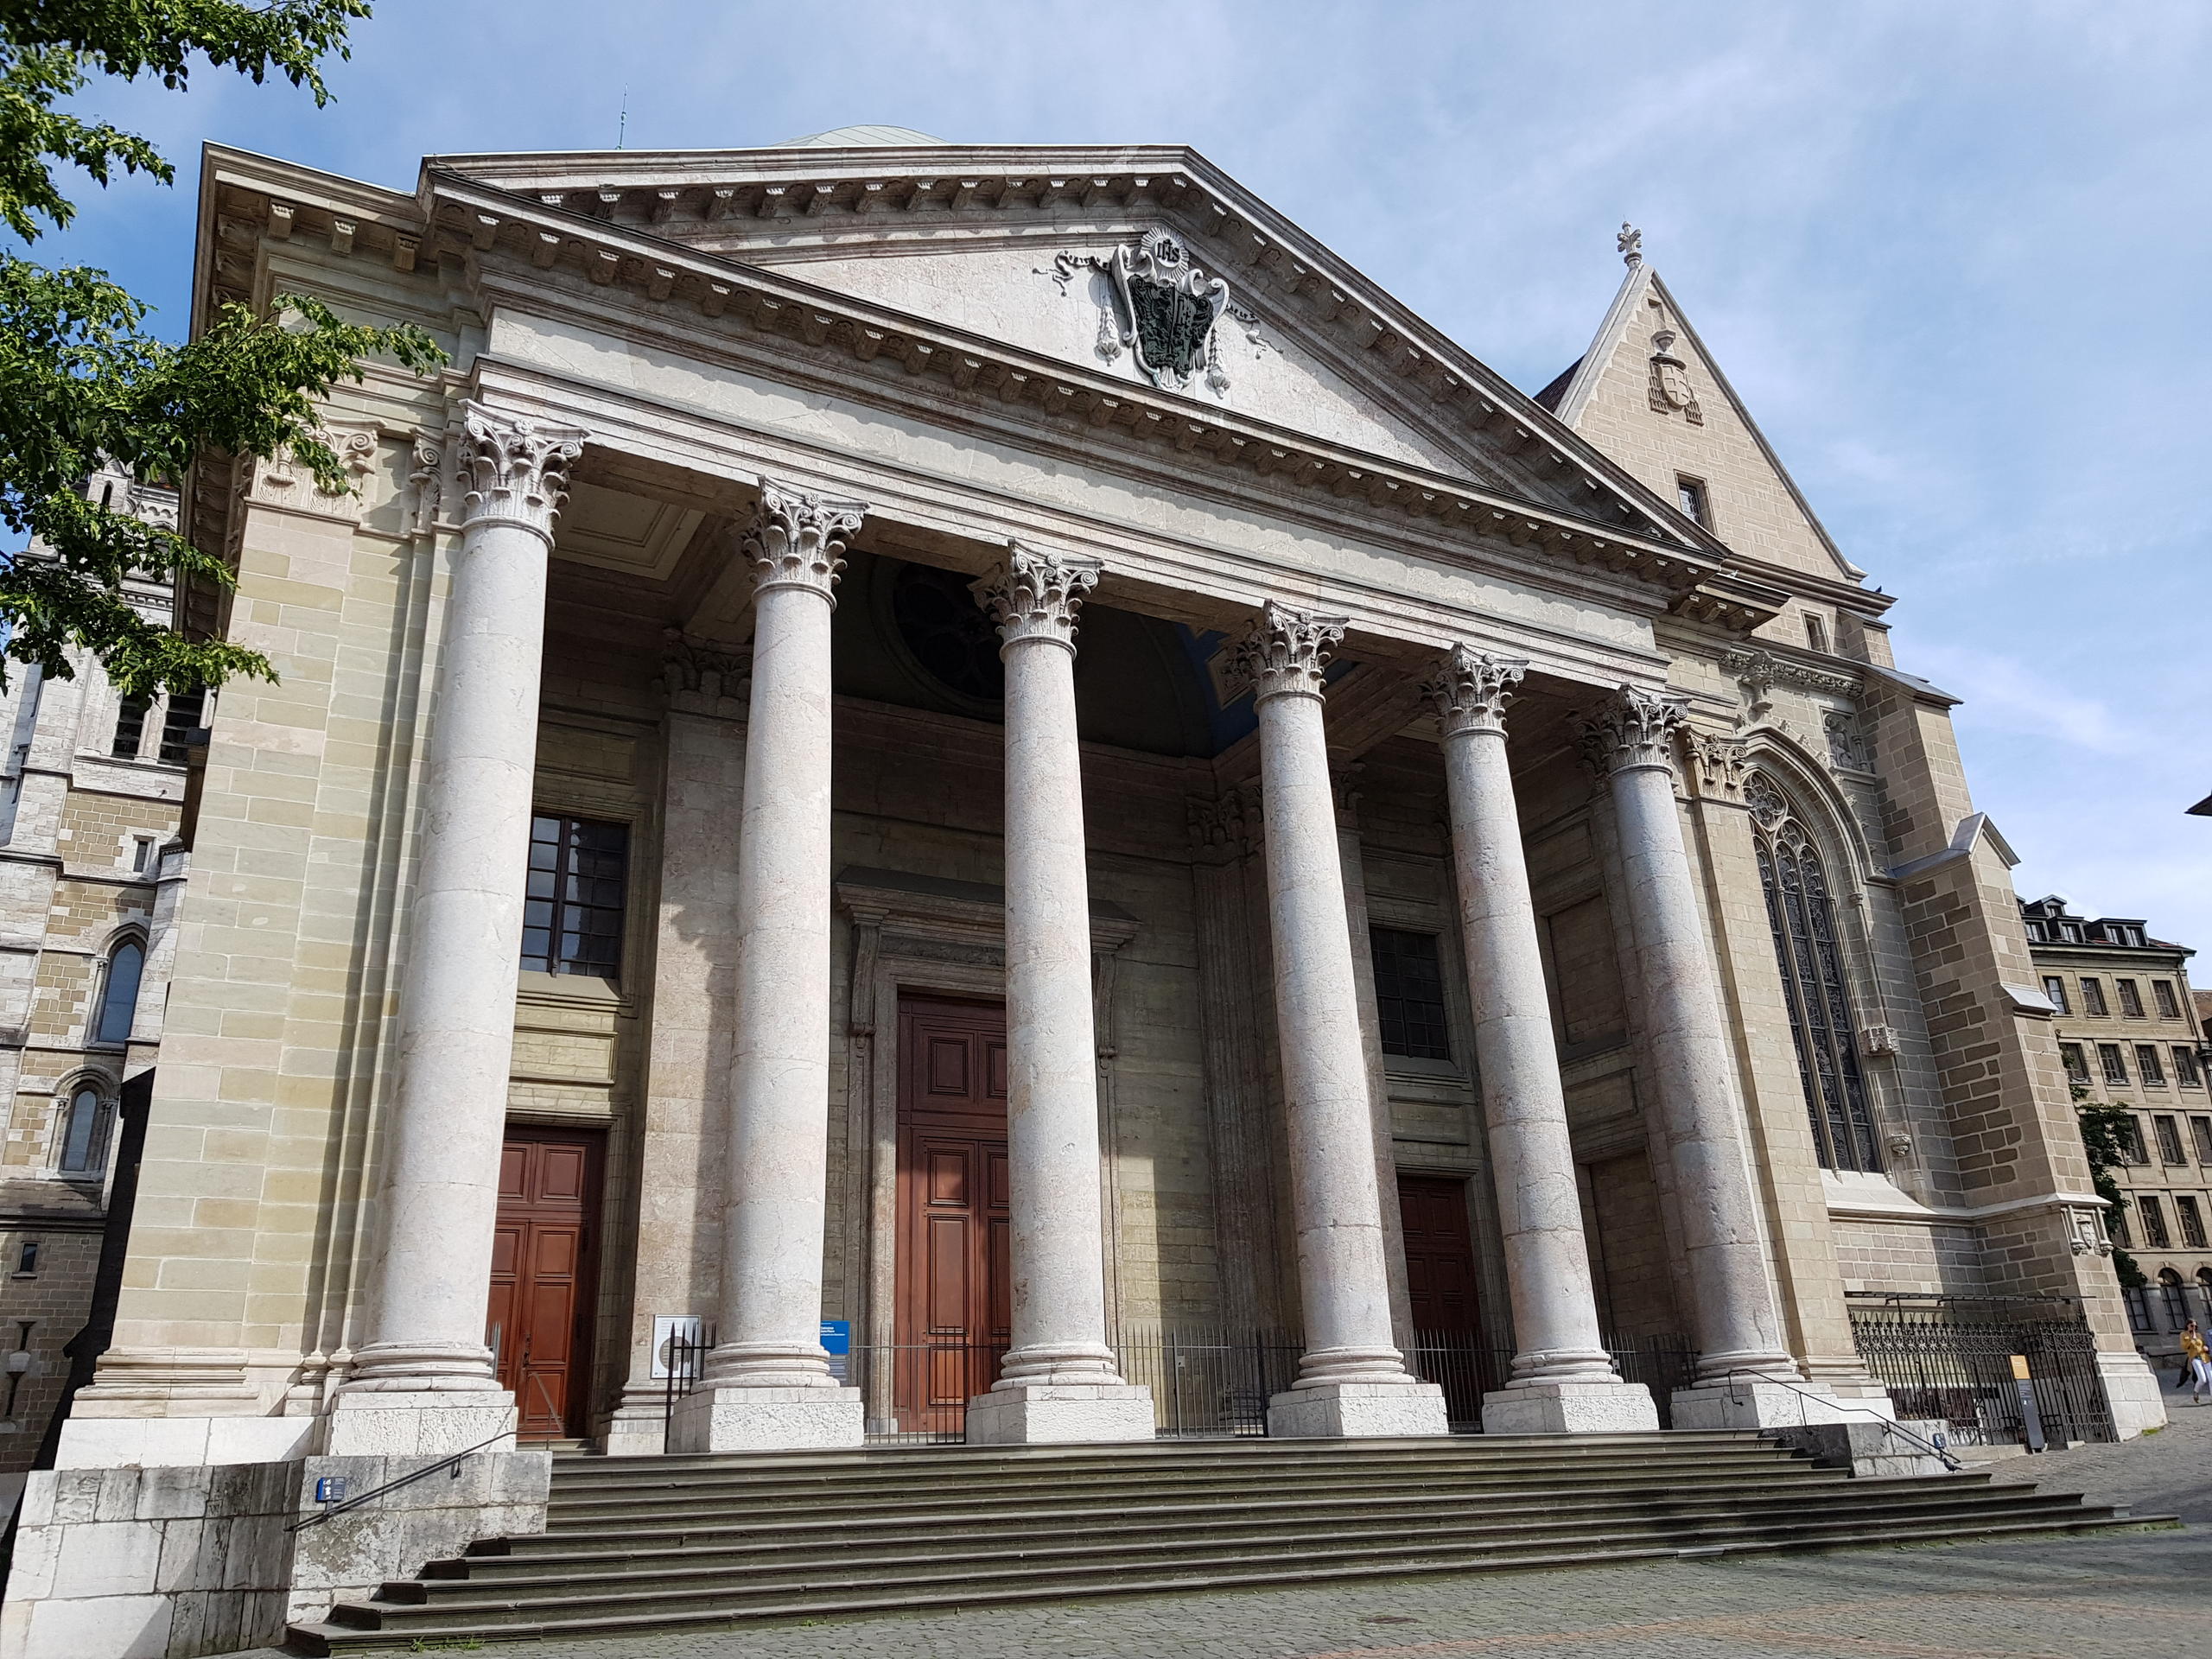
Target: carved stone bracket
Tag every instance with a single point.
(1718, 764)
(513, 468)
(691, 670)
(1284, 653)
(797, 540)
(1470, 691)
(1227, 826)
(2085, 1229)
(1636, 728)
(1035, 593)
(1759, 672)
(284, 480)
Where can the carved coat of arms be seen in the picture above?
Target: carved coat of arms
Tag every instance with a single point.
(1167, 308)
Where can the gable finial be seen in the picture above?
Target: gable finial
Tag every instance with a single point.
(1631, 242)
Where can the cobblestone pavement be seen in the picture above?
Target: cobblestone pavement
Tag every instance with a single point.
(2128, 1595)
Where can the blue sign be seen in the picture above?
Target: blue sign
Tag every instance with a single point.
(329, 1488)
(837, 1338)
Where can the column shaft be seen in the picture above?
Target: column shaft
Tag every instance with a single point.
(1734, 1317)
(1563, 1379)
(767, 1382)
(430, 1284)
(1352, 1379)
(1059, 1381)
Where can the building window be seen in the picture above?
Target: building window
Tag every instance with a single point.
(2040, 935)
(2116, 1224)
(1409, 994)
(2131, 1000)
(2077, 1069)
(2070, 931)
(26, 1257)
(2200, 1130)
(1816, 633)
(2169, 1132)
(2192, 1221)
(572, 915)
(1689, 494)
(185, 715)
(1821, 1025)
(2185, 1072)
(2154, 1222)
(119, 996)
(2092, 997)
(2162, 992)
(2147, 1064)
(81, 1133)
(2115, 1067)
(2130, 1140)
(130, 728)
(2054, 989)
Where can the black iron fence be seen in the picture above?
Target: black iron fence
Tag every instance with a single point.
(1206, 1384)
(1951, 1358)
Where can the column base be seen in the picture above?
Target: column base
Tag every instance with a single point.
(2132, 1391)
(638, 1426)
(1614, 1407)
(1753, 1402)
(1060, 1414)
(767, 1420)
(375, 1423)
(1358, 1411)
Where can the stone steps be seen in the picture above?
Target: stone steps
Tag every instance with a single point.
(692, 1544)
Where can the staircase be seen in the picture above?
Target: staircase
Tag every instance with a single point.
(695, 1543)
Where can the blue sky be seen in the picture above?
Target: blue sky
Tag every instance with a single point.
(1952, 255)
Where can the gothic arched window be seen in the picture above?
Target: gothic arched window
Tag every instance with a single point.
(1802, 917)
(81, 1132)
(119, 1000)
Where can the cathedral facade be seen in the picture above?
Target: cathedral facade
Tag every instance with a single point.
(927, 768)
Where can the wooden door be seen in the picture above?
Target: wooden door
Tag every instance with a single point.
(954, 1315)
(1439, 1254)
(543, 1254)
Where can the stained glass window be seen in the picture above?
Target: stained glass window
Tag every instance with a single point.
(1822, 1027)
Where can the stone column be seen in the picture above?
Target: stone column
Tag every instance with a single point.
(1733, 1319)
(767, 1384)
(1352, 1380)
(1059, 1381)
(430, 1283)
(1563, 1380)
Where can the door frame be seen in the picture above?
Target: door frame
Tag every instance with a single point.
(583, 1338)
(920, 935)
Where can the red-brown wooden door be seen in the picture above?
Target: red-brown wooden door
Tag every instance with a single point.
(1439, 1255)
(954, 1308)
(543, 1253)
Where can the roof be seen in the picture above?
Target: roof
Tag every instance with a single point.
(860, 138)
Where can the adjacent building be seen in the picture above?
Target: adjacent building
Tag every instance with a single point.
(89, 805)
(2128, 1034)
(943, 764)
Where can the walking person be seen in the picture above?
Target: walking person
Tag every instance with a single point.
(2200, 1363)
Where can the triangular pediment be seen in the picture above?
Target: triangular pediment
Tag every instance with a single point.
(1016, 244)
(1650, 393)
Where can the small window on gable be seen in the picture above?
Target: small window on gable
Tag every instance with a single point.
(1409, 994)
(1689, 493)
(1816, 633)
(26, 1260)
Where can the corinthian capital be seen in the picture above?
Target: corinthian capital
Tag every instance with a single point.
(1470, 691)
(1284, 653)
(1034, 594)
(797, 540)
(1636, 728)
(515, 469)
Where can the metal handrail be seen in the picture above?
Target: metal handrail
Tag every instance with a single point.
(451, 1461)
(1832, 1403)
